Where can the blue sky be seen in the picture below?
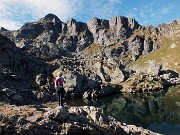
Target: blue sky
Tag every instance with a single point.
(14, 13)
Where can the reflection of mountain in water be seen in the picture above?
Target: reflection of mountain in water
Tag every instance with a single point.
(143, 110)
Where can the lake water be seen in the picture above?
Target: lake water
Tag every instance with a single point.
(157, 111)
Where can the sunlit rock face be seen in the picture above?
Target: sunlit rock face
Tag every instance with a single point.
(98, 58)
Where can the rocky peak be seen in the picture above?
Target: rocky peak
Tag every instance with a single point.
(72, 26)
(133, 24)
(117, 22)
(170, 30)
(75, 28)
(96, 23)
(2, 29)
(120, 21)
(50, 18)
(71, 21)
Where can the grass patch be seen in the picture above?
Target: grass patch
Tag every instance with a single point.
(167, 56)
(92, 49)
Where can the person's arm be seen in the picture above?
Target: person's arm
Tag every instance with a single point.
(64, 80)
(55, 83)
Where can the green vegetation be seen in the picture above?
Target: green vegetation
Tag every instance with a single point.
(168, 55)
(92, 49)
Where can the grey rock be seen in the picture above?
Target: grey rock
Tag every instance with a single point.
(9, 92)
(148, 45)
(17, 99)
(87, 95)
(135, 45)
(154, 68)
(59, 113)
(40, 79)
(66, 120)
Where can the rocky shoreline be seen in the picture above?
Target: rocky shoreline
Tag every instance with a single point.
(37, 120)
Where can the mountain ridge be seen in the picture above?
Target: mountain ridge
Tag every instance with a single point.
(102, 53)
(97, 59)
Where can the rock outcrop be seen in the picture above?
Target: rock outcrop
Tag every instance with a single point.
(67, 120)
(111, 31)
(18, 72)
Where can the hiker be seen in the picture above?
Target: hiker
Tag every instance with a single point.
(58, 85)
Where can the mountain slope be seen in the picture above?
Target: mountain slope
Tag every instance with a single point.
(102, 56)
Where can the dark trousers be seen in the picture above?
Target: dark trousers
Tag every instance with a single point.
(60, 95)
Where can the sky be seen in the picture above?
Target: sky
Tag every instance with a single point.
(14, 13)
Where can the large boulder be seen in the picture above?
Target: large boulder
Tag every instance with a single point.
(154, 68)
(135, 45)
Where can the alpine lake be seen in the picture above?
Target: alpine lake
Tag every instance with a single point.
(158, 111)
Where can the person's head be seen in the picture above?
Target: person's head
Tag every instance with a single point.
(59, 74)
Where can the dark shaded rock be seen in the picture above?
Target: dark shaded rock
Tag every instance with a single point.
(40, 79)
(101, 91)
(2, 29)
(50, 18)
(148, 46)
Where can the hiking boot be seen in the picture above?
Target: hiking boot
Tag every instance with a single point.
(60, 107)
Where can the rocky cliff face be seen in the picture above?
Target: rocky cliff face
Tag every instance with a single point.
(50, 38)
(109, 32)
(18, 72)
(94, 56)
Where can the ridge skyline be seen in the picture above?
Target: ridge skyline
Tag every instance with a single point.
(178, 19)
(15, 13)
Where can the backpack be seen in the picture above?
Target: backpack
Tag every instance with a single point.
(59, 82)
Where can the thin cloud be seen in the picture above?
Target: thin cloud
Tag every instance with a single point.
(11, 25)
(32, 10)
(14, 13)
(105, 10)
(167, 9)
(150, 13)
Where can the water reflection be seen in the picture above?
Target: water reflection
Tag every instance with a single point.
(145, 110)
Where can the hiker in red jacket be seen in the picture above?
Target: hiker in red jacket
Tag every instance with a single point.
(58, 85)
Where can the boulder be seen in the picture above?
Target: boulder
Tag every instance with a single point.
(135, 45)
(58, 114)
(148, 45)
(154, 68)
(9, 92)
(40, 79)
